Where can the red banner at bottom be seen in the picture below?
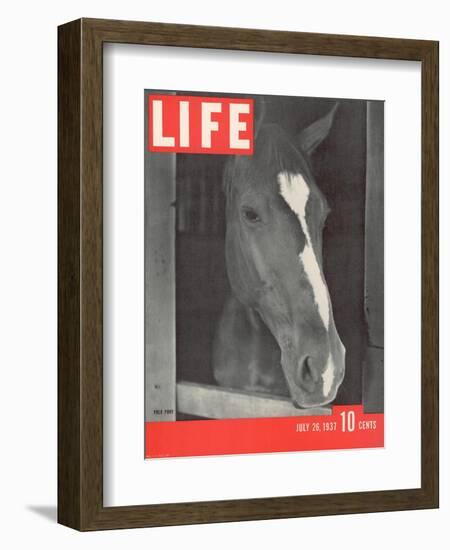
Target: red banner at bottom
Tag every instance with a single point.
(346, 428)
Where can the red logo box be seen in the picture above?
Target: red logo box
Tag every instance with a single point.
(198, 124)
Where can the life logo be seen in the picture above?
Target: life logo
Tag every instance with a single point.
(199, 124)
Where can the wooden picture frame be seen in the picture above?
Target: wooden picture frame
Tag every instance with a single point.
(80, 272)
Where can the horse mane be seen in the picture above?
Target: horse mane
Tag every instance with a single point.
(274, 152)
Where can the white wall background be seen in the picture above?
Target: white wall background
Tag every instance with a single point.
(28, 272)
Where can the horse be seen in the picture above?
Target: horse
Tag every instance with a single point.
(276, 333)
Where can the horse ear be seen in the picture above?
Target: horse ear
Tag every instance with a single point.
(259, 114)
(313, 135)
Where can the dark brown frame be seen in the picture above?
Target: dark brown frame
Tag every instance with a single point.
(80, 415)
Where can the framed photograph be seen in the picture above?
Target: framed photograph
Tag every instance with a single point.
(248, 274)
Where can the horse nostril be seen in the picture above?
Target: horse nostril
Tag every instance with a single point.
(307, 376)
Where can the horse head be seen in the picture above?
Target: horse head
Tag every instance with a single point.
(275, 219)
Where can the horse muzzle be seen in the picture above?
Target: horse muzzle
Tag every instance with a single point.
(314, 380)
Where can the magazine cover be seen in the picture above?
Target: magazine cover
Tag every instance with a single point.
(264, 273)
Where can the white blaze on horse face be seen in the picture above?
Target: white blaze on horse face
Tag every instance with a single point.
(328, 376)
(295, 192)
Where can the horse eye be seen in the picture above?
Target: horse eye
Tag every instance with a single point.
(250, 215)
